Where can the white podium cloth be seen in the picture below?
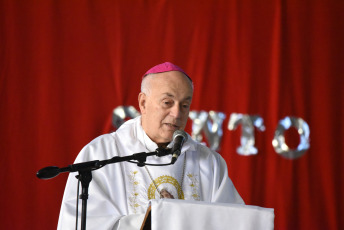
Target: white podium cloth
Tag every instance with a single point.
(170, 214)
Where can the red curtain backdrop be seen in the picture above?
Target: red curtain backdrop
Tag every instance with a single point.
(65, 65)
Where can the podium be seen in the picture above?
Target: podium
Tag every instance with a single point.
(173, 214)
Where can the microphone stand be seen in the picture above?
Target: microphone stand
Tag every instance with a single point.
(85, 173)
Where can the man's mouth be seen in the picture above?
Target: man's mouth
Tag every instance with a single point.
(173, 126)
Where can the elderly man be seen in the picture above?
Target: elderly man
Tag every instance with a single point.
(119, 193)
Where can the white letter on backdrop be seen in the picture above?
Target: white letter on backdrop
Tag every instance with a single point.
(211, 124)
(279, 141)
(247, 140)
(121, 113)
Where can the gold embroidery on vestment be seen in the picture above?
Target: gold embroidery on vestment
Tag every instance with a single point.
(194, 186)
(133, 196)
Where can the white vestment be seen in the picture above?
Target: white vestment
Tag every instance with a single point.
(121, 190)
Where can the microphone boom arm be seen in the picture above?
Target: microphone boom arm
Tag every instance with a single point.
(53, 171)
(85, 173)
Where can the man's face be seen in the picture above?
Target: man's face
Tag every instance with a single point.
(165, 108)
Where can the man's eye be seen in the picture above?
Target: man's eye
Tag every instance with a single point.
(167, 102)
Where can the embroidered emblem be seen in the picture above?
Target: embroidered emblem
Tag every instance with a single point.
(165, 180)
(134, 194)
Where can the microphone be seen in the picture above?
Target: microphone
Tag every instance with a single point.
(179, 137)
(48, 172)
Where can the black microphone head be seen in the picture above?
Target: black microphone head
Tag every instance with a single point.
(180, 133)
(179, 137)
(48, 172)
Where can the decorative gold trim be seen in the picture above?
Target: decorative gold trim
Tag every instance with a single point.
(194, 186)
(134, 194)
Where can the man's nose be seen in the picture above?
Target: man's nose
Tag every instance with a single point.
(176, 111)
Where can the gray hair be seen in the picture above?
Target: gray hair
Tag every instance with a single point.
(145, 86)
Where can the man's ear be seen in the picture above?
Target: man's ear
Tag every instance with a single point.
(142, 102)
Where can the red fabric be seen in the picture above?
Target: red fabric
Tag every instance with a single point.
(65, 65)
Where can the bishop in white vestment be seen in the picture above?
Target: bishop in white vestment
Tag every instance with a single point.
(119, 193)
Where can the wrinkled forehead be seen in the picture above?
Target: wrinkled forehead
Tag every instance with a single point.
(172, 84)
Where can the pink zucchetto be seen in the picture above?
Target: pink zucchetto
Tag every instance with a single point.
(165, 67)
